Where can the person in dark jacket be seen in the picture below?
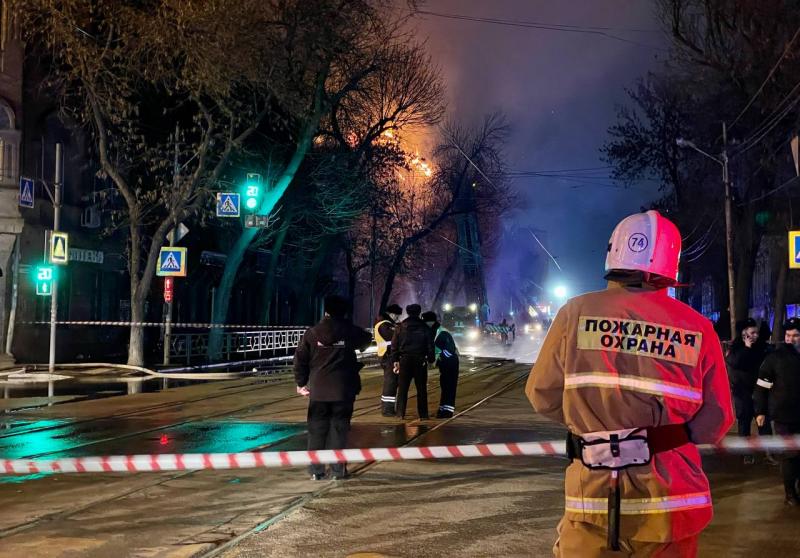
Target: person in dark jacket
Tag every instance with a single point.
(412, 350)
(447, 362)
(326, 371)
(778, 395)
(384, 331)
(744, 360)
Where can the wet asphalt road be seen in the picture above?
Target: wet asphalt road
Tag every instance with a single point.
(471, 507)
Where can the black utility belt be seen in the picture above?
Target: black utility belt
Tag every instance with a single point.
(620, 449)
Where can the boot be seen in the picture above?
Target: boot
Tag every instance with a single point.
(388, 410)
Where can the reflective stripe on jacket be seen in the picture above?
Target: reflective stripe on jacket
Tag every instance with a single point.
(631, 357)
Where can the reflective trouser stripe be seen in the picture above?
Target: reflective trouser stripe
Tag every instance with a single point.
(447, 408)
(633, 383)
(640, 506)
(764, 383)
(388, 399)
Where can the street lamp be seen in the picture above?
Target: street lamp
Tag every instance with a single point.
(722, 160)
(560, 291)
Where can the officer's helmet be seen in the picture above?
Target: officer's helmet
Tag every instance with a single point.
(646, 242)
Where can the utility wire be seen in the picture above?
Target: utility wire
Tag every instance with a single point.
(766, 80)
(770, 121)
(543, 26)
(776, 189)
(546, 251)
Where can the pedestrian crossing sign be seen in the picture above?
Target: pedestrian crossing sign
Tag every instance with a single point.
(228, 204)
(172, 262)
(26, 192)
(59, 248)
(794, 249)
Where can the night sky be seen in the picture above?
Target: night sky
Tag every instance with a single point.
(559, 91)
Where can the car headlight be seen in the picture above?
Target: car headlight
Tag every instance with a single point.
(538, 327)
(473, 334)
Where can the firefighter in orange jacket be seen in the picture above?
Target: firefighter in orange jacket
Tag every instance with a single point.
(638, 378)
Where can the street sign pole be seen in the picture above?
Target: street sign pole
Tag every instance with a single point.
(168, 312)
(171, 239)
(51, 363)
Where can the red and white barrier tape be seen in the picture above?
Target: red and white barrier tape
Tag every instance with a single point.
(194, 325)
(249, 460)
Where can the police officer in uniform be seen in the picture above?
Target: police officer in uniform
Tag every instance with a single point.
(384, 331)
(327, 372)
(412, 350)
(638, 378)
(777, 395)
(447, 361)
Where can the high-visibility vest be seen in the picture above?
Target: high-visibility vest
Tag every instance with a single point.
(383, 344)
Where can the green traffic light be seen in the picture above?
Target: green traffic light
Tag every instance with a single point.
(252, 190)
(43, 277)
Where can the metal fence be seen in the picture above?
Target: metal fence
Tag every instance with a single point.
(235, 344)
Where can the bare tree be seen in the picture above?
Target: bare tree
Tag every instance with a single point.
(154, 83)
(468, 177)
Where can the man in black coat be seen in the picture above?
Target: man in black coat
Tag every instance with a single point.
(326, 371)
(778, 395)
(412, 350)
(744, 361)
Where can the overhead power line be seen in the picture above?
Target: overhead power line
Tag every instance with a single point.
(770, 122)
(599, 31)
(546, 251)
(766, 80)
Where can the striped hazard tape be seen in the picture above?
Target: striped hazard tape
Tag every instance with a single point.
(250, 460)
(173, 324)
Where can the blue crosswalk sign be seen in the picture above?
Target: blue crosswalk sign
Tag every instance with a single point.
(228, 204)
(26, 192)
(794, 249)
(172, 262)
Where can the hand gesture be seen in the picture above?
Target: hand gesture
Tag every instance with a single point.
(304, 391)
(760, 420)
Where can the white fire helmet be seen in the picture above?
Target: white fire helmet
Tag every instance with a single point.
(646, 242)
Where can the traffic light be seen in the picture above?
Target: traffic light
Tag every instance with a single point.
(44, 275)
(252, 190)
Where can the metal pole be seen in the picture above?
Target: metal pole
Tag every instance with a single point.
(168, 312)
(728, 230)
(372, 267)
(54, 294)
(12, 317)
(171, 237)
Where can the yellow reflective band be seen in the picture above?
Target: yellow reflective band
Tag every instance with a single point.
(633, 383)
(383, 344)
(640, 506)
(639, 338)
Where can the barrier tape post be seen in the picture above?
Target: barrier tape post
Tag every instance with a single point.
(249, 460)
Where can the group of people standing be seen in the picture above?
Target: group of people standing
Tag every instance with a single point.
(326, 370)
(765, 384)
(406, 349)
